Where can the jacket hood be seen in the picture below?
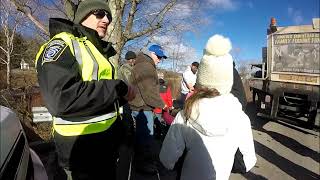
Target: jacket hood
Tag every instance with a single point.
(58, 25)
(216, 114)
(142, 57)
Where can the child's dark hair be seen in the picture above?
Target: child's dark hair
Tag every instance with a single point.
(196, 64)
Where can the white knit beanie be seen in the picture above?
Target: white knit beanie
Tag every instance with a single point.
(216, 67)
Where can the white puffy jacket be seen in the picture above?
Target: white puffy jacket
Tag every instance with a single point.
(216, 128)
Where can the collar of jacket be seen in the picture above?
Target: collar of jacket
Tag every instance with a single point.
(127, 66)
(58, 25)
(141, 58)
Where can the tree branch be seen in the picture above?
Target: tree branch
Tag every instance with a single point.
(22, 8)
(159, 17)
(145, 31)
(12, 37)
(3, 61)
(5, 51)
(132, 11)
(165, 9)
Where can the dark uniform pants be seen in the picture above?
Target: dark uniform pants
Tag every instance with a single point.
(92, 156)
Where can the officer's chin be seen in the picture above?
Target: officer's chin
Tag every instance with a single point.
(102, 34)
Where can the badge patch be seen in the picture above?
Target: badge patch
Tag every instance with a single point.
(53, 51)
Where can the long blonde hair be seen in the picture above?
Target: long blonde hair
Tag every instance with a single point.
(200, 92)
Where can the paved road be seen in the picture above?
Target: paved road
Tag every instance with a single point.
(284, 151)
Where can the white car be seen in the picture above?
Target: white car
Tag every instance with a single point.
(17, 160)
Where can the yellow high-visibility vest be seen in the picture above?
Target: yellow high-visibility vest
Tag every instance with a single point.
(93, 66)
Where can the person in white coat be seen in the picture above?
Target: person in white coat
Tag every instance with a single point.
(212, 125)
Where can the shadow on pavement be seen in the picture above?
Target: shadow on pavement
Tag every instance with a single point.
(258, 123)
(292, 169)
(291, 126)
(295, 146)
(251, 175)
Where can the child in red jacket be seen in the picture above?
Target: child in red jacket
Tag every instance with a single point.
(165, 93)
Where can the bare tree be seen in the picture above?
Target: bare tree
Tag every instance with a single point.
(9, 24)
(166, 30)
(180, 53)
(242, 65)
(136, 23)
(120, 32)
(24, 7)
(133, 20)
(125, 12)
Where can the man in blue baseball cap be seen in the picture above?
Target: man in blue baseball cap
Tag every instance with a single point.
(144, 76)
(158, 51)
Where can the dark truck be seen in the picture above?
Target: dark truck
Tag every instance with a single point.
(17, 160)
(287, 83)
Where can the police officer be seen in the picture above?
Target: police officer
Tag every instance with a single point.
(80, 90)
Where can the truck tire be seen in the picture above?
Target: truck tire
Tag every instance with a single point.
(254, 93)
(317, 119)
(313, 119)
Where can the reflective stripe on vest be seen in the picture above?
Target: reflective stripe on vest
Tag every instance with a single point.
(83, 127)
(93, 66)
(84, 120)
(77, 53)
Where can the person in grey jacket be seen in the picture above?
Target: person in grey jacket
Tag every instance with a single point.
(212, 126)
(126, 150)
(124, 72)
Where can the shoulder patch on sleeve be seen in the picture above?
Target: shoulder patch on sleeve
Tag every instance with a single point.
(53, 51)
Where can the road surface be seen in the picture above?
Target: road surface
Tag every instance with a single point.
(284, 150)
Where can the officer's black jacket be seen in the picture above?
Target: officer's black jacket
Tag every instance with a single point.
(238, 89)
(64, 92)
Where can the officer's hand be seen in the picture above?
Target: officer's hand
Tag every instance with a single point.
(131, 94)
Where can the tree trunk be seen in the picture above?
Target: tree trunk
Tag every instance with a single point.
(115, 32)
(8, 72)
(118, 47)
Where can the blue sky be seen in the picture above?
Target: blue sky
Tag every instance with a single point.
(245, 22)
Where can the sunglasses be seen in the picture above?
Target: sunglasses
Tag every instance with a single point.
(100, 13)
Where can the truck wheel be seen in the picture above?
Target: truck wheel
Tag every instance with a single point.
(312, 119)
(257, 103)
(317, 119)
(254, 93)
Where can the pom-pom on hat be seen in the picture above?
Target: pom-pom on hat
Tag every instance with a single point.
(216, 67)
